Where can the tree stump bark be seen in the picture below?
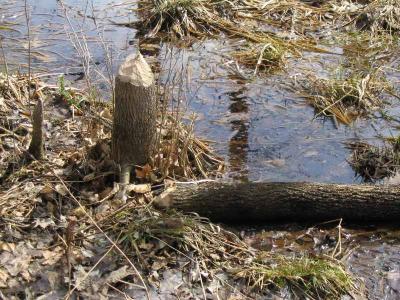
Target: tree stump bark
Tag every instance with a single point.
(286, 201)
(36, 147)
(135, 113)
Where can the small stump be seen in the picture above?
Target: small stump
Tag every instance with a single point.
(135, 115)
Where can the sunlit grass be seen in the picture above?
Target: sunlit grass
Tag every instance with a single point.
(346, 95)
(314, 277)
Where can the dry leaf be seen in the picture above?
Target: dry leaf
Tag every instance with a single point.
(144, 172)
(60, 188)
(17, 261)
(119, 274)
(89, 177)
(138, 188)
(51, 257)
(43, 223)
(4, 246)
(3, 278)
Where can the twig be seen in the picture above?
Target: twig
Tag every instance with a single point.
(119, 291)
(69, 239)
(28, 26)
(339, 242)
(10, 133)
(201, 280)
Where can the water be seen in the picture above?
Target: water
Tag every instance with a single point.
(265, 131)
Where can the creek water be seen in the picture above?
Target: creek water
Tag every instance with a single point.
(264, 130)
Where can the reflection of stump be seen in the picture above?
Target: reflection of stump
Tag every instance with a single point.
(239, 142)
(36, 147)
(134, 115)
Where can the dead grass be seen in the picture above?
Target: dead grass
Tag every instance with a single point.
(181, 17)
(376, 16)
(235, 19)
(345, 96)
(198, 18)
(375, 163)
(363, 49)
(262, 57)
(380, 16)
(201, 18)
(316, 278)
(298, 17)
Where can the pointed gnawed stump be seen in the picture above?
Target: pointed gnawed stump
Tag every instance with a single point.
(36, 147)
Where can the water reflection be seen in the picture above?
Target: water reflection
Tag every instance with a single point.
(239, 141)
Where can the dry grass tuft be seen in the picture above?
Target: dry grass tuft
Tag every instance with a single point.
(183, 17)
(182, 156)
(315, 277)
(179, 16)
(262, 57)
(345, 97)
(374, 163)
(380, 16)
(298, 17)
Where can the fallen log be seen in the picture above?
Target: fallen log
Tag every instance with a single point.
(285, 201)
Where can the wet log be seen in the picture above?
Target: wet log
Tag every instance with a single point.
(285, 201)
(135, 114)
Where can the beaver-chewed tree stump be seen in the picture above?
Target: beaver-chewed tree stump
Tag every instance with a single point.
(36, 147)
(135, 115)
(285, 201)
